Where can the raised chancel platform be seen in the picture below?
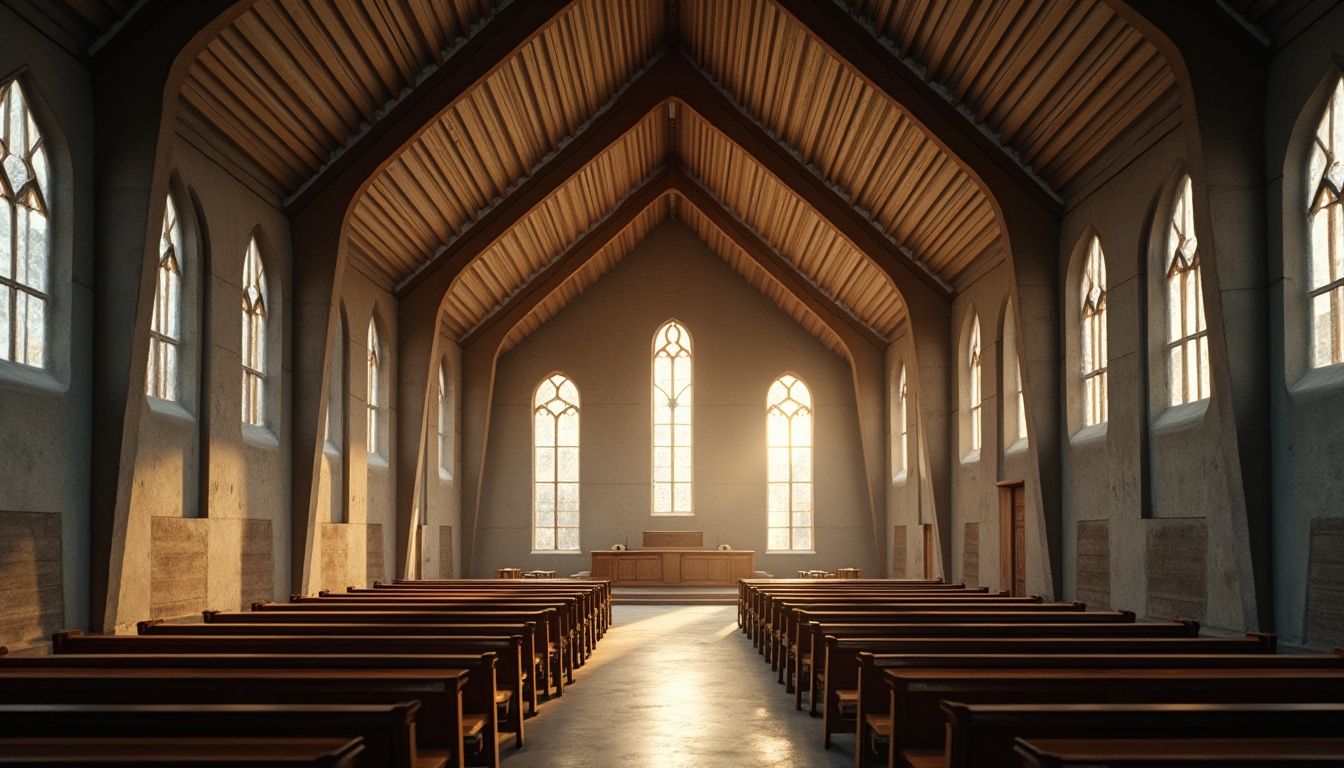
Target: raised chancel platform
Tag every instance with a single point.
(652, 567)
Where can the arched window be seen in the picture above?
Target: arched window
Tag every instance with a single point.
(445, 424)
(165, 332)
(900, 454)
(374, 391)
(788, 414)
(672, 420)
(555, 466)
(1187, 335)
(1325, 287)
(25, 244)
(1014, 400)
(1093, 321)
(254, 336)
(975, 386)
(336, 390)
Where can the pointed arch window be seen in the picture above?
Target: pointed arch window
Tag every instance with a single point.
(446, 428)
(25, 232)
(1325, 284)
(255, 313)
(789, 435)
(165, 332)
(1187, 333)
(901, 453)
(1015, 400)
(374, 391)
(336, 390)
(555, 466)
(672, 401)
(975, 387)
(1092, 297)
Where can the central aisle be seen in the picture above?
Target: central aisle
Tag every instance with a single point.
(673, 686)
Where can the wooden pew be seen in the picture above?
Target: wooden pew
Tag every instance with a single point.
(478, 696)
(594, 600)
(525, 633)
(1230, 752)
(748, 590)
(187, 752)
(569, 624)
(810, 653)
(548, 640)
(388, 730)
(559, 638)
(985, 734)
(874, 721)
(841, 694)
(763, 603)
(439, 721)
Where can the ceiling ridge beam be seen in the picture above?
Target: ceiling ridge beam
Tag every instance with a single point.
(645, 92)
(515, 308)
(540, 284)
(703, 96)
(830, 310)
(492, 43)
(854, 42)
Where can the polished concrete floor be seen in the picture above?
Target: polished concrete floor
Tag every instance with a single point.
(673, 686)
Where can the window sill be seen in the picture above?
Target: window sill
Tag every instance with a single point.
(671, 514)
(376, 461)
(1017, 446)
(169, 408)
(900, 477)
(1177, 416)
(27, 377)
(971, 458)
(332, 450)
(445, 475)
(1319, 381)
(790, 552)
(1088, 435)
(557, 551)
(259, 436)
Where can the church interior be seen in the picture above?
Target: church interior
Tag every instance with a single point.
(1040, 296)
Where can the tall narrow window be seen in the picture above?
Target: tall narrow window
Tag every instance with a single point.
(336, 389)
(374, 391)
(1014, 399)
(1325, 288)
(446, 428)
(165, 332)
(975, 386)
(254, 336)
(1187, 335)
(672, 420)
(789, 434)
(901, 452)
(25, 245)
(1093, 319)
(555, 466)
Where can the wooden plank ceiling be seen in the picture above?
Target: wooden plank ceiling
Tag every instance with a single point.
(1057, 84)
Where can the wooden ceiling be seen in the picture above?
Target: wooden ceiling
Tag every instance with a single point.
(1055, 85)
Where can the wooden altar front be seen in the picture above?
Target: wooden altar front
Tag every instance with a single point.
(673, 567)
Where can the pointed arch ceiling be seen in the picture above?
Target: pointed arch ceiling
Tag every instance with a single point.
(1053, 87)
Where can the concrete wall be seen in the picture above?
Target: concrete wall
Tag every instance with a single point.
(45, 415)
(1308, 444)
(741, 344)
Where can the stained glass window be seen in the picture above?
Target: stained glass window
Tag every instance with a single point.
(25, 232)
(1093, 321)
(254, 336)
(555, 465)
(1325, 285)
(672, 420)
(165, 332)
(789, 445)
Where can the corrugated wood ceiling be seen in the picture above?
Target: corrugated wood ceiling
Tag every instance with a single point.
(1058, 81)
(292, 82)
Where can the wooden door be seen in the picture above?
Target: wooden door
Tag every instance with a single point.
(1013, 537)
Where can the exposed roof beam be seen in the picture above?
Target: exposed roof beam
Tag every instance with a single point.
(574, 258)
(776, 265)
(645, 91)
(694, 88)
(490, 47)
(981, 156)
